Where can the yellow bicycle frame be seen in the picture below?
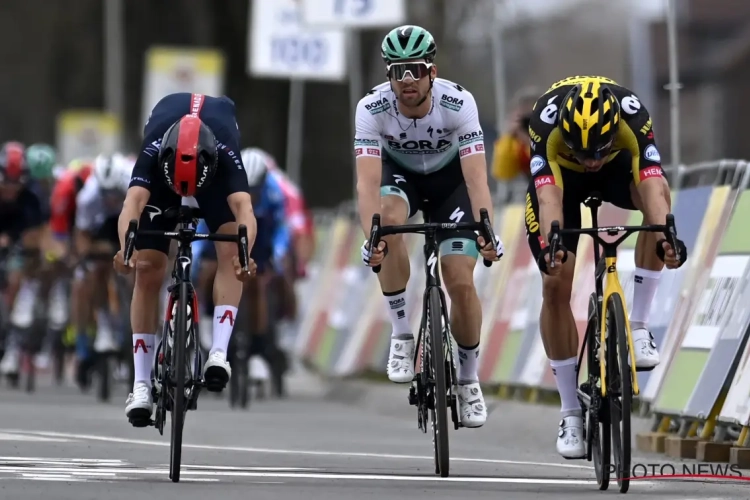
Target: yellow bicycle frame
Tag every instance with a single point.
(612, 287)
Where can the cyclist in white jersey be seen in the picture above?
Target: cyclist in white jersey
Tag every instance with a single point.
(419, 146)
(98, 207)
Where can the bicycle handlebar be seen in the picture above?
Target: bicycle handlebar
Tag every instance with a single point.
(188, 236)
(484, 226)
(669, 229)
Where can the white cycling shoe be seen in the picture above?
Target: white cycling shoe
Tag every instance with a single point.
(11, 363)
(471, 405)
(646, 355)
(570, 438)
(140, 403)
(401, 361)
(216, 371)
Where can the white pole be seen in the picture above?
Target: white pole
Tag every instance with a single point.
(674, 84)
(294, 129)
(114, 59)
(356, 84)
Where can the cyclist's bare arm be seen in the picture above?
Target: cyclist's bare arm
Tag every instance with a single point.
(135, 201)
(550, 208)
(241, 206)
(369, 172)
(474, 168)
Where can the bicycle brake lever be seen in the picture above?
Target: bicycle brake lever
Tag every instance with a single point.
(487, 232)
(130, 241)
(374, 239)
(672, 236)
(554, 237)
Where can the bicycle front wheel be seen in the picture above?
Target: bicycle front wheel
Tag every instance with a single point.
(440, 391)
(179, 339)
(598, 435)
(620, 389)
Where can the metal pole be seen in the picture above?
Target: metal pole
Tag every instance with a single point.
(114, 58)
(356, 84)
(674, 84)
(498, 66)
(295, 125)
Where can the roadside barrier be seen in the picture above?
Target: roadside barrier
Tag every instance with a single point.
(699, 395)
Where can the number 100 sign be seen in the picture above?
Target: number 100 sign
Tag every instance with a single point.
(354, 13)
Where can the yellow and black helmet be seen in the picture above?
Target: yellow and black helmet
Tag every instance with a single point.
(589, 119)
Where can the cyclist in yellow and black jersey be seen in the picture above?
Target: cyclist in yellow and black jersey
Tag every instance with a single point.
(589, 134)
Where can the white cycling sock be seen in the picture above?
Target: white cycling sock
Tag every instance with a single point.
(565, 378)
(467, 364)
(396, 305)
(144, 350)
(224, 317)
(645, 284)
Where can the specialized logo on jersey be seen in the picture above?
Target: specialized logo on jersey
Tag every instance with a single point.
(573, 80)
(450, 102)
(378, 106)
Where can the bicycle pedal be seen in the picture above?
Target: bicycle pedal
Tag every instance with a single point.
(141, 422)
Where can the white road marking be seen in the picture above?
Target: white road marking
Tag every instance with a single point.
(254, 469)
(145, 442)
(322, 475)
(20, 437)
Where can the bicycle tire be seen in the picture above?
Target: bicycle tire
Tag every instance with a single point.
(601, 433)
(105, 375)
(440, 411)
(178, 365)
(620, 389)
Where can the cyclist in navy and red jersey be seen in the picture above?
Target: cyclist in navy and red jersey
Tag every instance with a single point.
(190, 151)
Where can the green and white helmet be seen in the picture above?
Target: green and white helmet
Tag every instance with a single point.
(408, 42)
(41, 160)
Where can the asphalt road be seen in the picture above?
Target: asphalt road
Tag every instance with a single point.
(356, 441)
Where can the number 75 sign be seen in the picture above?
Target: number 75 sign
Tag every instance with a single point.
(353, 13)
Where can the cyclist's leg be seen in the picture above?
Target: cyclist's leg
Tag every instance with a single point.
(398, 203)
(648, 266)
(144, 309)
(227, 289)
(556, 322)
(206, 267)
(459, 254)
(106, 242)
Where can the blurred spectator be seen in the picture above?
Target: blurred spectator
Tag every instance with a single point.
(512, 152)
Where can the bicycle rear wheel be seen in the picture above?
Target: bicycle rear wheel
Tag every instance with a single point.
(597, 422)
(177, 368)
(440, 391)
(620, 389)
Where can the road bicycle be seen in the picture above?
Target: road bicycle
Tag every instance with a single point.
(177, 379)
(607, 394)
(434, 387)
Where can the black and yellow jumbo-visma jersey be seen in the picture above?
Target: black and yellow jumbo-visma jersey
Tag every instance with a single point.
(549, 152)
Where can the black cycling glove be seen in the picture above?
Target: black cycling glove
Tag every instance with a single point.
(542, 262)
(680, 247)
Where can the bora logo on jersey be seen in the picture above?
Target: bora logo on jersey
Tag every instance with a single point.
(419, 147)
(378, 106)
(450, 102)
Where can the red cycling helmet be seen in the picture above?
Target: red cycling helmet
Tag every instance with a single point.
(188, 156)
(13, 163)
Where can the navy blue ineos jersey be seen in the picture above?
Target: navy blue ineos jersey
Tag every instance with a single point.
(216, 112)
